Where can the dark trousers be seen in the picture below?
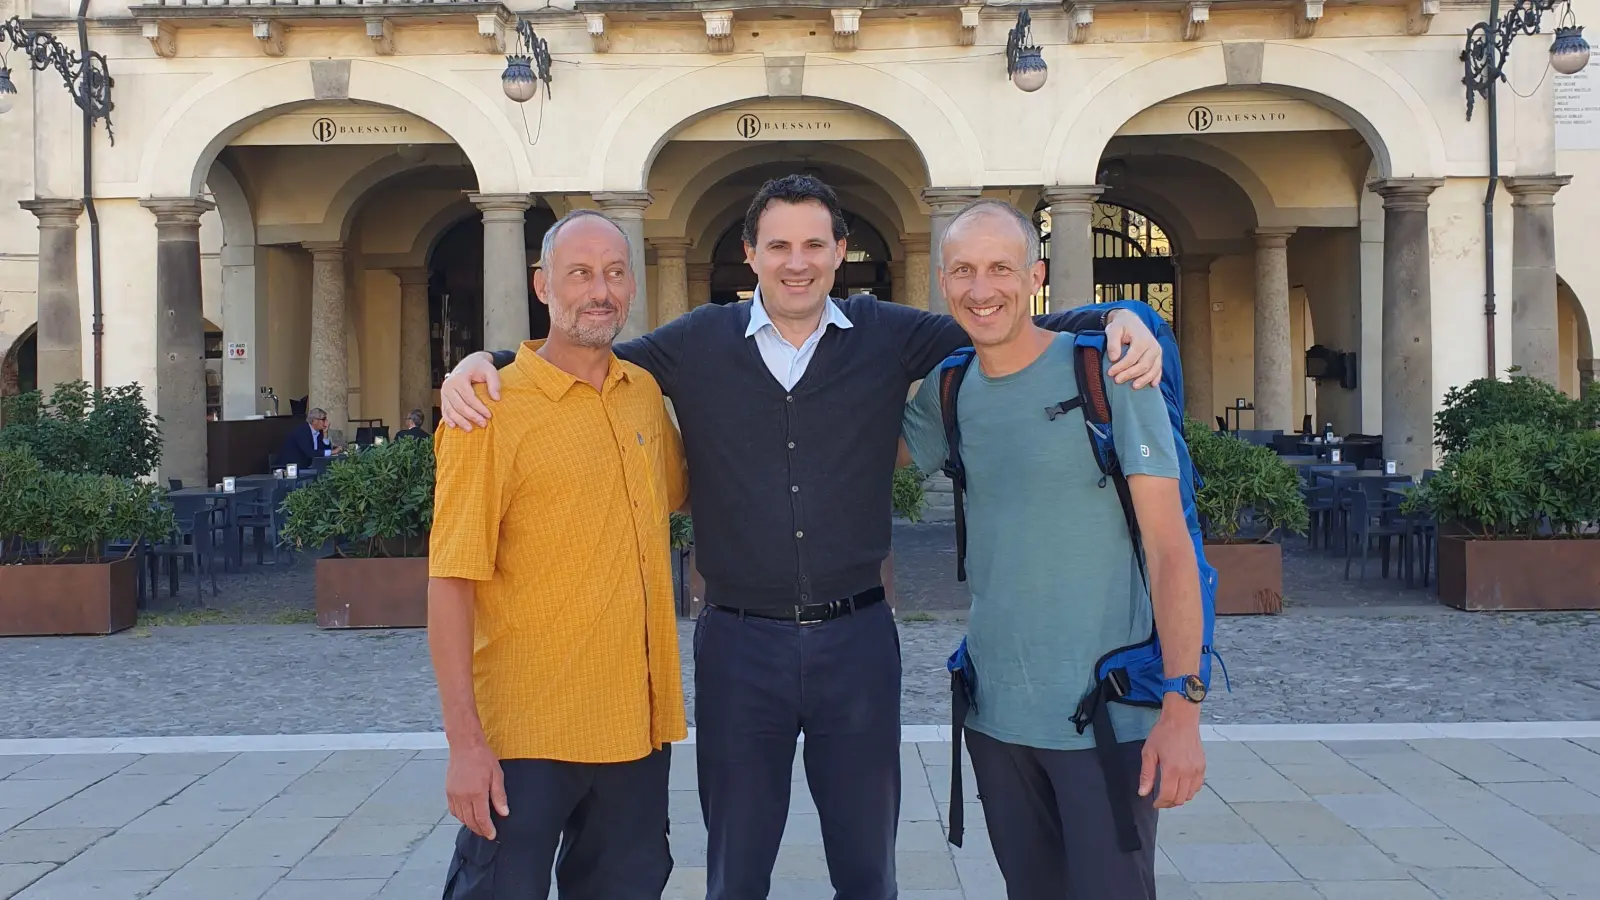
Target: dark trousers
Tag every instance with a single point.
(758, 684)
(608, 820)
(1049, 819)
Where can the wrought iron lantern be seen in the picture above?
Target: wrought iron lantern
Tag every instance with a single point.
(1489, 45)
(1025, 64)
(529, 66)
(87, 79)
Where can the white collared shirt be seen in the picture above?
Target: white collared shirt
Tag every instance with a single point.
(786, 362)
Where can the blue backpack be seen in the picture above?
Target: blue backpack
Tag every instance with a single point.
(1133, 674)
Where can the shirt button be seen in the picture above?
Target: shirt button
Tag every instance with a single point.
(791, 445)
(794, 488)
(804, 597)
(799, 534)
(789, 399)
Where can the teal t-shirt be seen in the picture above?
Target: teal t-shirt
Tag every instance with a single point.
(1055, 584)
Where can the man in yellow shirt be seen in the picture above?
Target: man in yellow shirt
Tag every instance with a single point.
(550, 608)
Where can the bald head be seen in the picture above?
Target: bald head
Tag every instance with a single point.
(988, 215)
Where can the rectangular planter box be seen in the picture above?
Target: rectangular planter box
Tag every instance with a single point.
(1249, 578)
(89, 598)
(372, 593)
(690, 608)
(1519, 575)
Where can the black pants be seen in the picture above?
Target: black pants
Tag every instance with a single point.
(609, 821)
(758, 684)
(1049, 819)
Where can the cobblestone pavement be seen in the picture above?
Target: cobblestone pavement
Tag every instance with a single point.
(1303, 666)
(1359, 820)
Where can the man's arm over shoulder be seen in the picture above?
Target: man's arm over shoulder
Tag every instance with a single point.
(674, 465)
(659, 352)
(925, 338)
(922, 428)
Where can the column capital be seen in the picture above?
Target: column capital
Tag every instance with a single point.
(624, 204)
(1195, 263)
(1535, 190)
(670, 247)
(949, 200)
(411, 275)
(1083, 193)
(1271, 238)
(915, 243)
(324, 250)
(177, 211)
(1405, 193)
(501, 201)
(54, 213)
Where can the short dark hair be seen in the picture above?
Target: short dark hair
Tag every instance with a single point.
(415, 417)
(794, 189)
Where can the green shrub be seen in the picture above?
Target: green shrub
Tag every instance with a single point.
(682, 529)
(109, 432)
(1488, 402)
(68, 517)
(909, 497)
(1237, 478)
(1512, 479)
(376, 501)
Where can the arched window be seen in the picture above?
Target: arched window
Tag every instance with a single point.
(1132, 259)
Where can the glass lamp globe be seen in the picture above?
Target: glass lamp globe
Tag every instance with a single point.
(1030, 72)
(8, 92)
(518, 80)
(1569, 52)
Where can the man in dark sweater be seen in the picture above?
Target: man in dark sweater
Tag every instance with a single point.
(790, 408)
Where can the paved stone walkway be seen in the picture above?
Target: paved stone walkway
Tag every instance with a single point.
(1308, 665)
(1346, 820)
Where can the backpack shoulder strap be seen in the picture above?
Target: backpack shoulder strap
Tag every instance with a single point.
(950, 373)
(1089, 365)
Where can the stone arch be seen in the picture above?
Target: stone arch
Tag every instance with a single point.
(196, 127)
(348, 200)
(1565, 294)
(1212, 157)
(900, 196)
(647, 117)
(1395, 121)
(434, 230)
(10, 362)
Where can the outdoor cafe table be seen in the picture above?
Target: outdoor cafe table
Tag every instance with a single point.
(235, 541)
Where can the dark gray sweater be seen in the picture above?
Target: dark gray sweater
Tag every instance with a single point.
(791, 489)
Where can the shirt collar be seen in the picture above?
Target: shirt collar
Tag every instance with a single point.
(554, 380)
(831, 315)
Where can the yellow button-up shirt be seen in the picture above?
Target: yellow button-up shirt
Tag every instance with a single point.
(559, 512)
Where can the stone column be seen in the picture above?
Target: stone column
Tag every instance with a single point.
(1194, 335)
(626, 208)
(180, 338)
(416, 358)
(1407, 323)
(330, 376)
(945, 203)
(699, 278)
(505, 269)
(60, 331)
(672, 278)
(1274, 386)
(897, 279)
(919, 271)
(1071, 245)
(1534, 342)
(1588, 375)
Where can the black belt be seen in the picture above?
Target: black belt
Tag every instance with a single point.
(812, 613)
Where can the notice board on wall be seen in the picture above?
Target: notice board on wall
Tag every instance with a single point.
(1577, 111)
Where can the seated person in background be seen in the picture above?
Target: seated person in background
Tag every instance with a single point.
(308, 446)
(413, 426)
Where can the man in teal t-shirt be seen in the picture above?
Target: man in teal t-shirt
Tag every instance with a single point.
(1055, 580)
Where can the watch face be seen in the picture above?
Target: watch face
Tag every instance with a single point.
(1193, 689)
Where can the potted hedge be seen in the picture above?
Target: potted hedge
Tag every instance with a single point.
(374, 509)
(907, 502)
(1518, 510)
(1247, 495)
(58, 574)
